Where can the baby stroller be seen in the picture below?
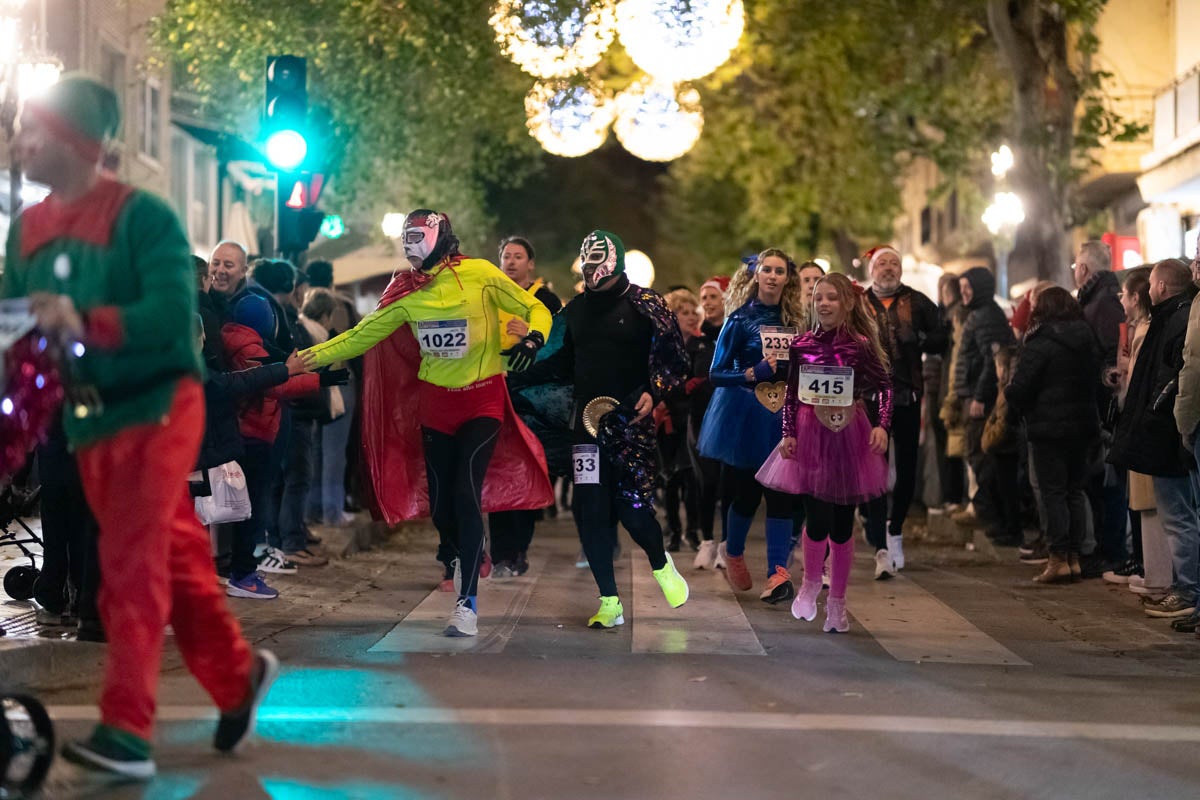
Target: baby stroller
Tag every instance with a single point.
(16, 503)
(26, 745)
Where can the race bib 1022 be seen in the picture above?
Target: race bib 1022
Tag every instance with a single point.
(776, 341)
(826, 386)
(443, 338)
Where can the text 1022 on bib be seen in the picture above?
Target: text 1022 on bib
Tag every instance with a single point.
(443, 338)
(826, 386)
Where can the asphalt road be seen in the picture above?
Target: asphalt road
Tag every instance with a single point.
(959, 679)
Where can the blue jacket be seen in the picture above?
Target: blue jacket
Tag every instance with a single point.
(739, 346)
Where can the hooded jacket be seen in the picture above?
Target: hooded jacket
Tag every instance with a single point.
(1103, 312)
(1146, 439)
(258, 416)
(1054, 384)
(985, 326)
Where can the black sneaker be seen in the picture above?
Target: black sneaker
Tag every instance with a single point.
(111, 750)
(1171, 606)
(1032, 547)
(1123, 573)
(1035, 553)
(1093, 566)
(1186, 624)
(521, 564)
(235, 726)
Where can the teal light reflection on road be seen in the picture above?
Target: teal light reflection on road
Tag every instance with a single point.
(285, 789)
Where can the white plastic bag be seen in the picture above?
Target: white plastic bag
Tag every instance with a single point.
(230, 499)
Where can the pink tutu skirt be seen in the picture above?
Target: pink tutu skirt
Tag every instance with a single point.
(837, 467)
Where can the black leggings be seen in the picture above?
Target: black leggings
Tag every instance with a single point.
(454, 466)
(745, 493)
(828, 520)
(511, 533)
(598, 507)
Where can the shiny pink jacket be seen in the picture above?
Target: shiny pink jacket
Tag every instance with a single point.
(838, 348)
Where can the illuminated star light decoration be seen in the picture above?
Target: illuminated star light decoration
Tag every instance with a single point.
(674, 40)
(657, 122)
(568, 120)
(548, 48)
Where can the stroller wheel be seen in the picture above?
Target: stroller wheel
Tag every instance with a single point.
(26, 745)
(18, 582)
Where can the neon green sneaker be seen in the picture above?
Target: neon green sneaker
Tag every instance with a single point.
(674, 587)
(610, 614)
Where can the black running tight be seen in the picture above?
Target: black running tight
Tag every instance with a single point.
(454, 466)
(828, 520)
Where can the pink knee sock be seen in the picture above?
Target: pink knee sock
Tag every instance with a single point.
(839, 567)
(814, 558)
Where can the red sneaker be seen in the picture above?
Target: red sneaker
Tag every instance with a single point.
(736, 572)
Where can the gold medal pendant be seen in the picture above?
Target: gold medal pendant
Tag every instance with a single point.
(771, 395)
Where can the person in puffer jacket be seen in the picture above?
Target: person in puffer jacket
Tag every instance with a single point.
(976, 384)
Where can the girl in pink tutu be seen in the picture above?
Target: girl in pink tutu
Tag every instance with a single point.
(836, 416)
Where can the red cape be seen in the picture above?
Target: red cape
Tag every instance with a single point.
(516, 477)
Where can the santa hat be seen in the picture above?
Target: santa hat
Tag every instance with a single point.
(718, 282)
(875, 252)
(79, 111)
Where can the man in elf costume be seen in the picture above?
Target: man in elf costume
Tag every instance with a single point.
(623, 343)
(434, 397)
(108, 270)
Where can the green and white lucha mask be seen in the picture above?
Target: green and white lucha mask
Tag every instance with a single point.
(601, 257)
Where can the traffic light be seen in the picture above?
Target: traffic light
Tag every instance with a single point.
(298, 216)
(286, 120)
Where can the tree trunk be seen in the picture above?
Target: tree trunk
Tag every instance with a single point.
(1031, 36)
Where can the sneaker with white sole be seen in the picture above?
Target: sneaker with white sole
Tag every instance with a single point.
(706, 557)
(251, 587)
(463, 622)
(719, 562)
(112, 750)
(275, 561)
(836, 620)
(1171, 606)
(236, 726)
(884, 568)
(307, 558)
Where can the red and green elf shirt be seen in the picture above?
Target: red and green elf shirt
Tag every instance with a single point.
(128, 268)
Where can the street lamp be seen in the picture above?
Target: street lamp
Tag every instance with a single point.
(1002, 218)
(24, 73)
(393, 224)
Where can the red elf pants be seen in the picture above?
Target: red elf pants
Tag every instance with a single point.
(156, 567)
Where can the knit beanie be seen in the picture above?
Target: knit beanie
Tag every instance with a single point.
(79, 111)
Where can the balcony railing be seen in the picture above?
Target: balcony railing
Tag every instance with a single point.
(1176, 119)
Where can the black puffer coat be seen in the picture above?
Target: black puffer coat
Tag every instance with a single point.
(986, 325)
(1054, 385)
(1146, 439)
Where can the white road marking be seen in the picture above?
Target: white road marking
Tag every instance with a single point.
(500, 607)
(913, 625)
(711, 622)
(669, 718)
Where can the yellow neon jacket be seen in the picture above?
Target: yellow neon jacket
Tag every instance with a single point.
(474, 290)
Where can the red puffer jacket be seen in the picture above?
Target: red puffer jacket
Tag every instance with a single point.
(258, 416)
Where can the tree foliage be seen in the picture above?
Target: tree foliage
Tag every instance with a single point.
(425, 108)
(811, 127)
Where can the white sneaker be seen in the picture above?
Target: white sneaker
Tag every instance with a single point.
(463, 622)
(706, 558)
(581, 560)
(884, 568)
(276, 561)
(719, 563)
(895, 548)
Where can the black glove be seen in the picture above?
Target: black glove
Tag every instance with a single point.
(522, 354)
(334, 377)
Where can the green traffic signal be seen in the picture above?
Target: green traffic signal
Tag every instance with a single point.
(332, 227)
(286, 149)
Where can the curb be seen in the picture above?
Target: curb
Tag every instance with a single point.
(34, 663)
